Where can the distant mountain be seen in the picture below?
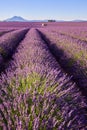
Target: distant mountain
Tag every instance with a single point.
(60, 21)
(38, 20)
(20, 19)
(16, 19)
(79, 20)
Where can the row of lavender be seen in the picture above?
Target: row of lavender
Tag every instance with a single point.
(71, 26)
(8, 44)
(36, 94)
(19, 25)
(70, 54)
(79, 32)
(2, 32)
(77, 35)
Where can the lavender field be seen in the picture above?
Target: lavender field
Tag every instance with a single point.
(43, 76)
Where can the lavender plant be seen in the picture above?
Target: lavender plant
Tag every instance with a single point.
(2, 32)
(36, 94)
(8, 44)
(71, 56)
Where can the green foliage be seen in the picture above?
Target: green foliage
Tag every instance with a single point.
(37, 88)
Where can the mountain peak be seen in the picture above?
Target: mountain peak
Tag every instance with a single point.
(16, 19)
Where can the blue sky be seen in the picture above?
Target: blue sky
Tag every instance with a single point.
(44, 9)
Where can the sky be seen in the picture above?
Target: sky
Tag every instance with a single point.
(44, 9)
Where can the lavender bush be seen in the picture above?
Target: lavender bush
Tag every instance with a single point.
(2, 32)
(71, 56)
(36, 94)
(8, 44)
